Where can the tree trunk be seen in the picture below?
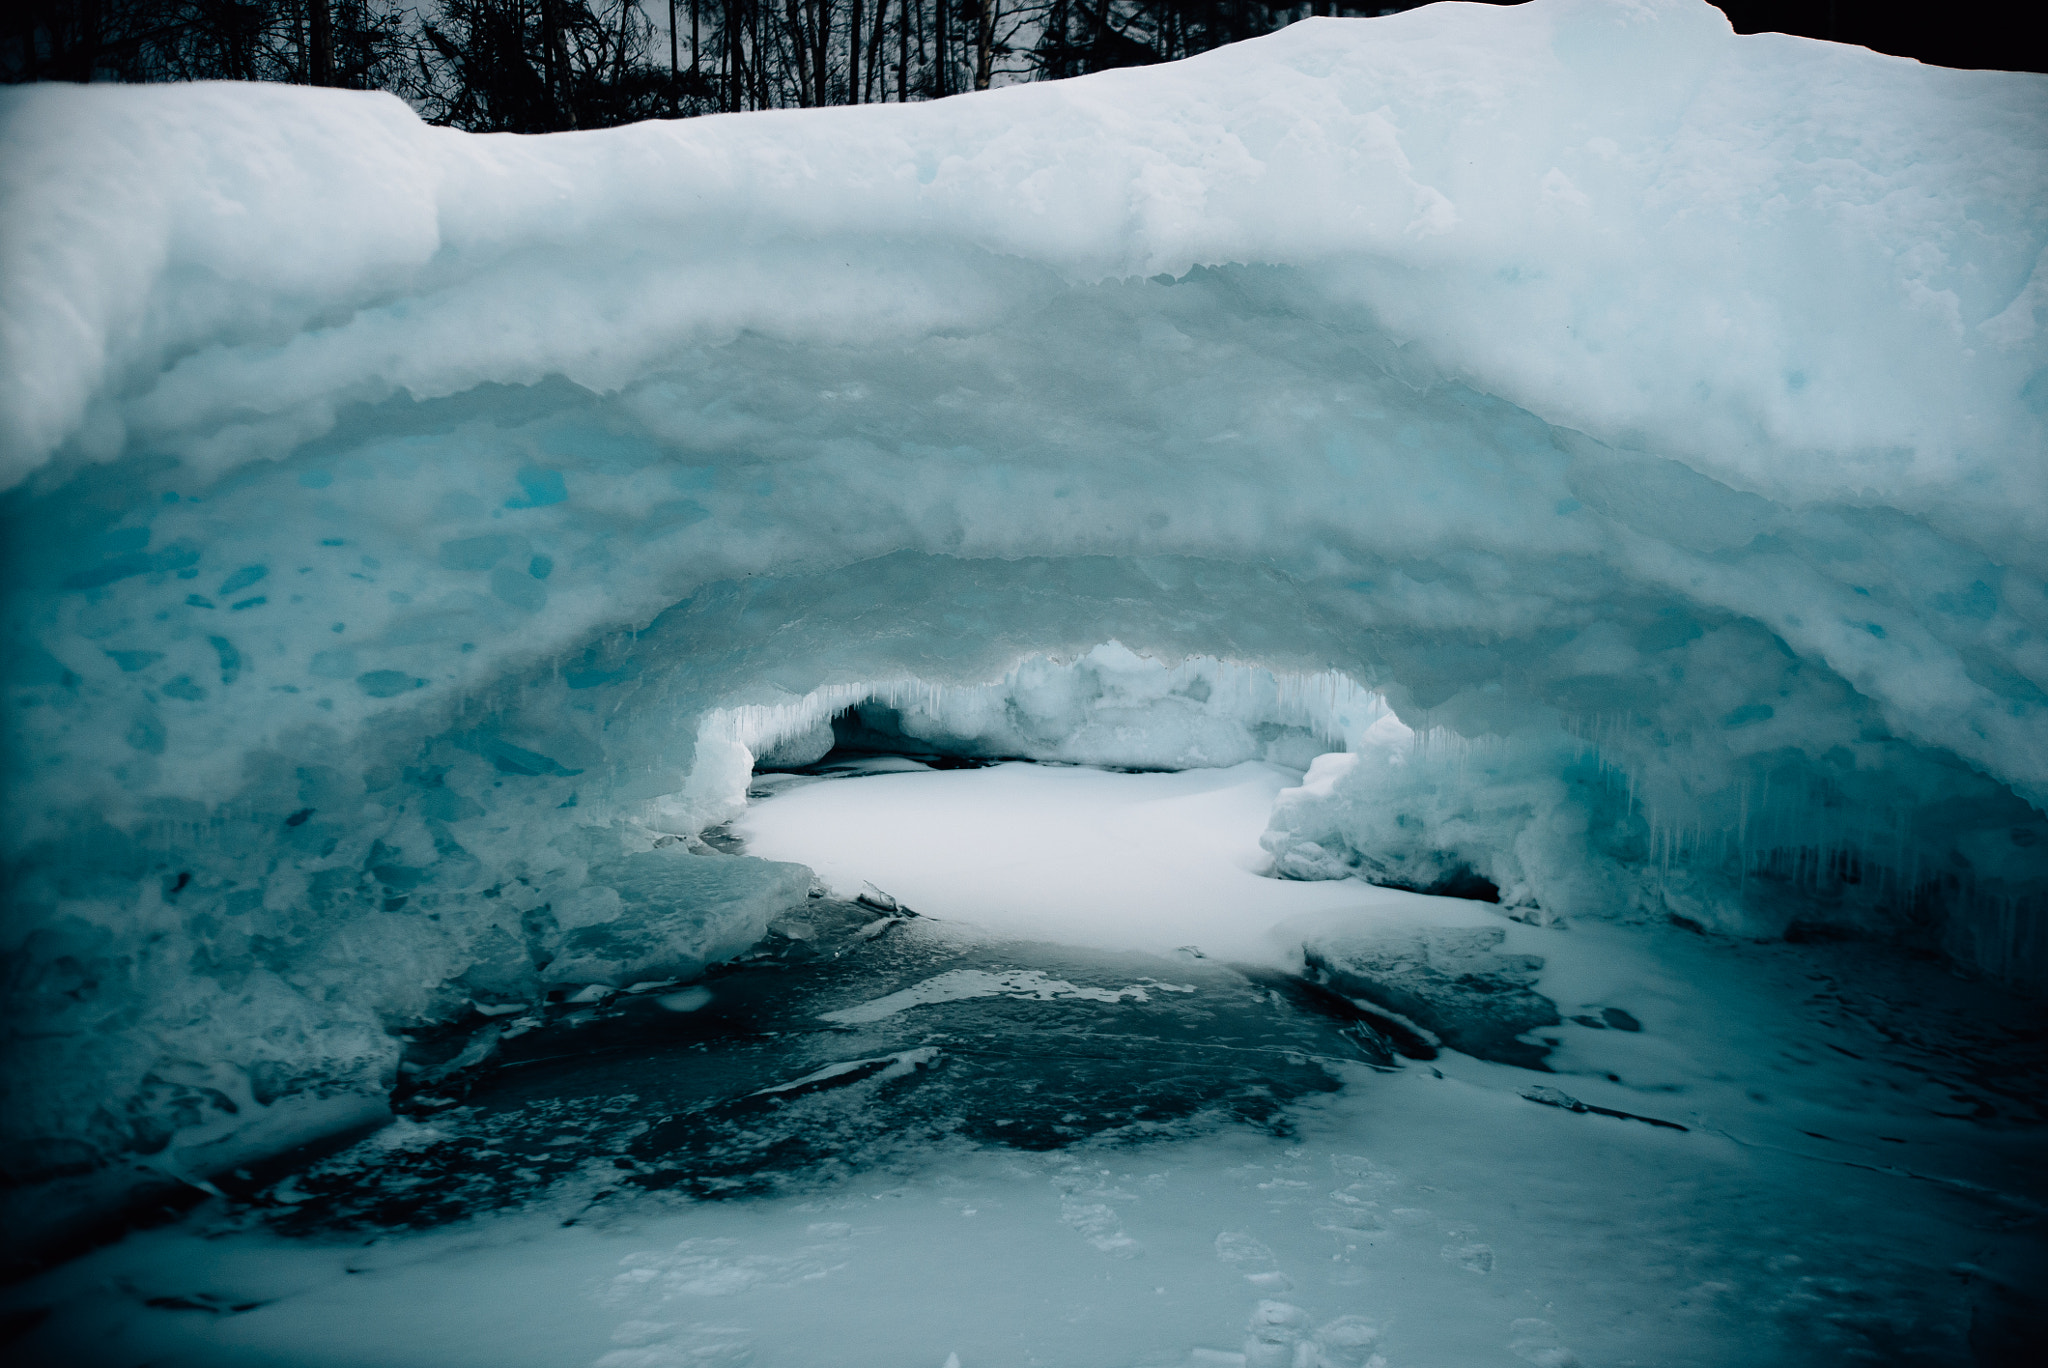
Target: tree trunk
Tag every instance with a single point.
(86, 56)
(985, 46)
(565, 99)
(675, 64)
(320, 44)
(760, 67)
(619, 58)
(854, 35)
(799, 48)
(549, 70)
(876, 69)
(821, 55)
(732, 54)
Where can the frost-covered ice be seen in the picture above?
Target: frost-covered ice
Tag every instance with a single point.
(1852, 1183)
(414, 539)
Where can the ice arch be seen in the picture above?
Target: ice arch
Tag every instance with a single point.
(1110, 706)
(1653, 411)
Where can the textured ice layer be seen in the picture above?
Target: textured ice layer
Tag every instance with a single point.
(1649, 415)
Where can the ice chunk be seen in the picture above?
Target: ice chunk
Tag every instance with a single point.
(678, 912)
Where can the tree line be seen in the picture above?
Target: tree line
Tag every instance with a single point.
(532, 66)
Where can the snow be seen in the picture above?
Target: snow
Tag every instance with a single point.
(1826, 1199)
(1150, 862)
(416, 538)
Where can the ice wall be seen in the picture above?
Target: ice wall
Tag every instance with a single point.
(1651, 416)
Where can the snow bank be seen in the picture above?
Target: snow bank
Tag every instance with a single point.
(1650, 415)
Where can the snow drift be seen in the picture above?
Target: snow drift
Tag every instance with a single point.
(410, 534)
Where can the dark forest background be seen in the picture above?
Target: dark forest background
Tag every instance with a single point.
(531, 66)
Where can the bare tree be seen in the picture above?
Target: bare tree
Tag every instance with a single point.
(540, 65)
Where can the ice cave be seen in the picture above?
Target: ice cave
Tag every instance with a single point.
(1375, 700)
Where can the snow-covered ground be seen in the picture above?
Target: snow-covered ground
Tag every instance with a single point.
(1854, 1180)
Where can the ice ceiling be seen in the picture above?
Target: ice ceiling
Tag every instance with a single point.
(407, 529)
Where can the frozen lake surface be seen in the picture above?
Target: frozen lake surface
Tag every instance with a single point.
(1070, 1102)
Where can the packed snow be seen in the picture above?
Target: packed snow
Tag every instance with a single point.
(1615, 440)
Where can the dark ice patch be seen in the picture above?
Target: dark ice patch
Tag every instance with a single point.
(398, 878)
(146, 734)
(1451, 981)
(507, 758)
(33, 666)
(388, 683)
(230, 658)
(241, 579)
(542, 489)
(1619, 1020)
(176, 556)
(474, 553)
(746, 1086)
(518, 587)
(203, 1301)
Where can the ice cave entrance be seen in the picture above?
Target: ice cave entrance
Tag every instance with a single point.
(1045, 805)
(1111, 802)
